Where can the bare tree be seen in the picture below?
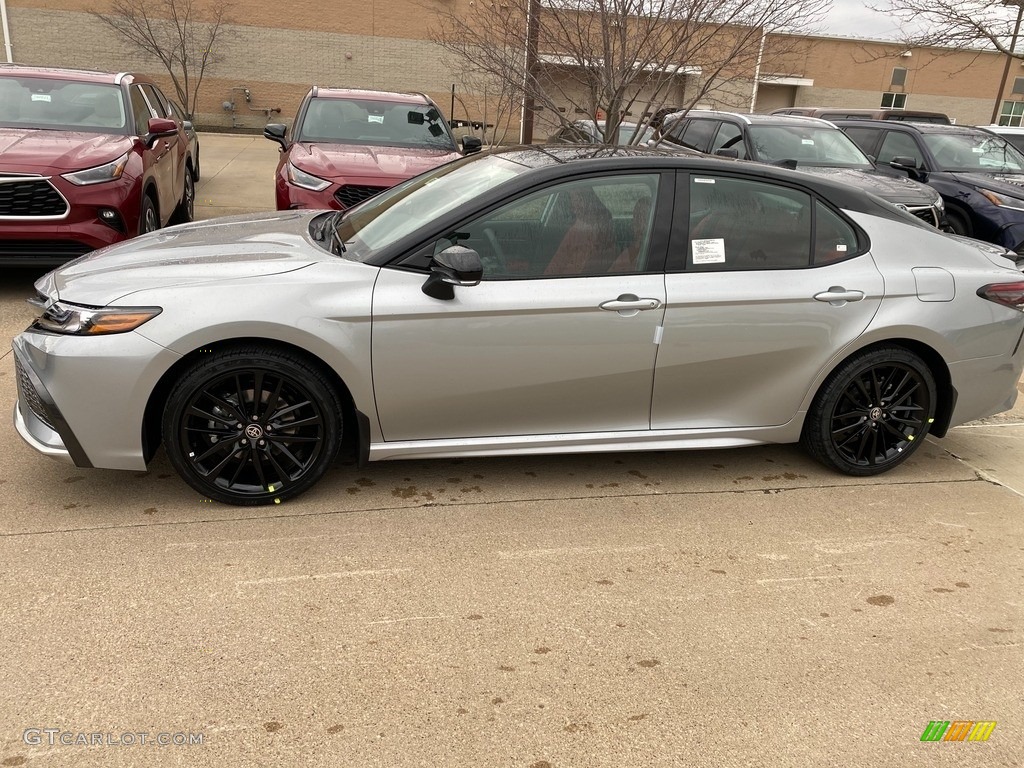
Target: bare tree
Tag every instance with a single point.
(601, 58)
(181, 34)
(957, 24)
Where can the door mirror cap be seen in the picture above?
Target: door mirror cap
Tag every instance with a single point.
(276, 132)
(733, 153)
(901, 161)
(455, 265)
(158, 127)
(471, 144)
(188, 125)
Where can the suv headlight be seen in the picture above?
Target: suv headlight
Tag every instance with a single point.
(101, 173)
(1003, 201)
(306, 180)
(76, 320)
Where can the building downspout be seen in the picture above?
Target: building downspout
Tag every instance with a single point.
(757, 71)
(7, 31)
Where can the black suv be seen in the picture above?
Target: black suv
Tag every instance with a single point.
(801, 143)
(978, 174)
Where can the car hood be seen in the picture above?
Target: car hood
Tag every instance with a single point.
(234, 248)
(36, 151)
(890, 188)
(1007, 183)
(390, 164)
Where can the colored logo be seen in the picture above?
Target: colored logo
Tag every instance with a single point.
(958, 730)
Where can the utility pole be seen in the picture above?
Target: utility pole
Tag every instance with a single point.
(530, 65)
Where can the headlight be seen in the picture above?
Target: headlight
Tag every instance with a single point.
(99, 174)
(940, 203)
(1003, 201)
(61, 317)
(306, 180)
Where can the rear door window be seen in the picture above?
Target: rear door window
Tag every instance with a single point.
(865, 138)
(698, 134)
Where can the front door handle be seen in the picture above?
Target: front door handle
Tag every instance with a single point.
(837, 296)
(629, 304)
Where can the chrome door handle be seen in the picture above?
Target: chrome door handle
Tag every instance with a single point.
(628, 301)
(837, 296)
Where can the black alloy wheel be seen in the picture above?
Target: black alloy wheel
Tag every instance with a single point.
(148, 221)
(186, 210)
(872, 413)
(958, 223)
(252, 426)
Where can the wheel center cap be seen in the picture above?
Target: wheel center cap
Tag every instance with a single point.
(254, 431)
(875, 414)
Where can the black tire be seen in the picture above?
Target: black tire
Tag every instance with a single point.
(186, 210)
(959, 223)
(149, 219)
(279, 443)
(872, 412)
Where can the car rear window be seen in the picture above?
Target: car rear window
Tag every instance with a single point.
(377, 123)
(46, 103)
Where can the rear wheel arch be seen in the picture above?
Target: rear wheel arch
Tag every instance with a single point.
(151, 424)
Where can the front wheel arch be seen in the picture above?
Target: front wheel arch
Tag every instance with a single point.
(151, 424)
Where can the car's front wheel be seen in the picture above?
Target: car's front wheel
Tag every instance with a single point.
(252, 426)
(872, 412)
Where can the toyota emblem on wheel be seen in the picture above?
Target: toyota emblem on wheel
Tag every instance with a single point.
(254, 431)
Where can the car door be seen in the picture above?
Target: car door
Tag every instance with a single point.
(158, 166)
(757, 307)
(558, 337)
(177, 147)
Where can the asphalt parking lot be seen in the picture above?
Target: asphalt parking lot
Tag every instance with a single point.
(729, 608)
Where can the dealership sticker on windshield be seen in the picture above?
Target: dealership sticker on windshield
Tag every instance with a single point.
(40, 97)
(704, 181)
(710, 251)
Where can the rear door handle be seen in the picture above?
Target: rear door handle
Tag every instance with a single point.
(629, 304)
(837, 296)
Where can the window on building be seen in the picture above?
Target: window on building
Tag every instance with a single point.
(1012, 113)
(894, 101)
(1018, 85)
(899, 76)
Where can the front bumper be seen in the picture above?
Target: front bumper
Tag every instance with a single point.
(83, 399)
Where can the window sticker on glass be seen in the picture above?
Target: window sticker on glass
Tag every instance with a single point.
(375, 118)
(809, 142)
(40, 97)
(710, 251)
(840, 247)
(703, 181)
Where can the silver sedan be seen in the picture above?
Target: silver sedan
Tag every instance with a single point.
(535, 300)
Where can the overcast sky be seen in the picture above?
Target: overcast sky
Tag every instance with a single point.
(850, 18)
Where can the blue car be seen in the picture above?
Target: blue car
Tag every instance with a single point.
(978, 173)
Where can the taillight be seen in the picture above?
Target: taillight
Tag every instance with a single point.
(1008, 294)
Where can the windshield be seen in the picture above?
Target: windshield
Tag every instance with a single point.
(974, 152)
(61, 105)
(807, 145)
(377, 123)
(628, 130)
(391, 215)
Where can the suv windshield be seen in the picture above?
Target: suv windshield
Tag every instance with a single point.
(974, 152)
(377, 123)
(61, 105)
(807, 145)
(395, 213)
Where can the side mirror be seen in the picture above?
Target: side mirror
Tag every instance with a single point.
(276, 132)
(187, 125)
(733, 153)
(471, 144)
(908, 164)
(455, 265)
(159, 127)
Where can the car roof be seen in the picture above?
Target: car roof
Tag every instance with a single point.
(327, 92)
(919, 127)
(751, 119)
(1014, 130)
(60, 73)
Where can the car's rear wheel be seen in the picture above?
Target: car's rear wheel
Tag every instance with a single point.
(249, 426)
(149, 221)
(185, 212)
(872, 412)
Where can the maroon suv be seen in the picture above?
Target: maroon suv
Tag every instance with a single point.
(86, 159)
(348, 145)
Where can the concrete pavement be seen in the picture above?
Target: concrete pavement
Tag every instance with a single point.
(719, 608)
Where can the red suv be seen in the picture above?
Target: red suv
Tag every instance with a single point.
(86, 159)
(348, 145)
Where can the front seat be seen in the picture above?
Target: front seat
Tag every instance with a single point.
(588, 246)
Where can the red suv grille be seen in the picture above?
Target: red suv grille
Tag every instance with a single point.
(353, 194)
(30, 198)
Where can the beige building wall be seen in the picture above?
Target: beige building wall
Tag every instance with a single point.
(278, 49)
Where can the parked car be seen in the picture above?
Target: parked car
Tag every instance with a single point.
(839, 113)
(979, 175)
(533, 300)
(801, 143)
(348, 145)
(86, 159)
(1013, 134)
(191, 137)
(590, 132)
